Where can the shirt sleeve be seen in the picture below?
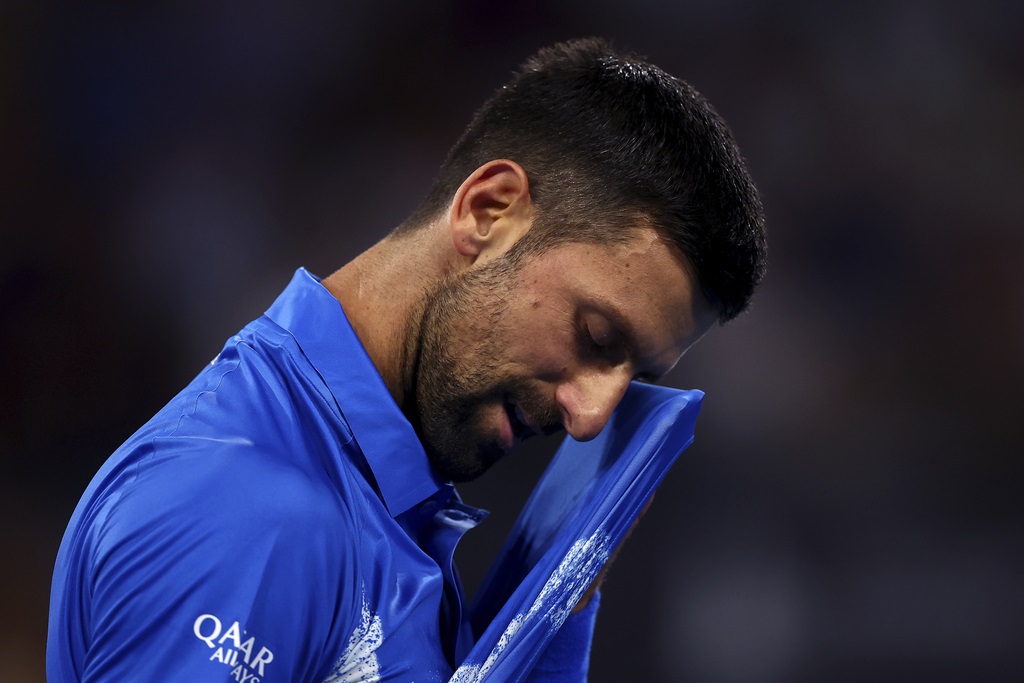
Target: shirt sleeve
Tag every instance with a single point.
(567, 657)
(222, 567)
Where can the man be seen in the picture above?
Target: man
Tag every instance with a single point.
(290, 516)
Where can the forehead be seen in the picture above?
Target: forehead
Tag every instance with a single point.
(644, 285)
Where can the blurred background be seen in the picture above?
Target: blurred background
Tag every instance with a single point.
(851, 509)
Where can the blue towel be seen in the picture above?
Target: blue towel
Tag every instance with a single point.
(586, 501)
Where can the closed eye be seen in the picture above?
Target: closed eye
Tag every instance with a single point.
(601, 339)
(588, 340)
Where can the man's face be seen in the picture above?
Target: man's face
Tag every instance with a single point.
(509, 352)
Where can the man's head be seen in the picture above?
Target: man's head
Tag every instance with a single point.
(609, 142)
(592, 223)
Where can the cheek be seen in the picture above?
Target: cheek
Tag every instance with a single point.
(540, 347)
(539, 329)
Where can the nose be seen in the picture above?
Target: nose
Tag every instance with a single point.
(587, 401)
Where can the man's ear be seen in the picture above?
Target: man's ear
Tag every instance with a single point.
(491, 210)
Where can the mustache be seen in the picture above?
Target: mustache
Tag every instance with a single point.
(541, 411)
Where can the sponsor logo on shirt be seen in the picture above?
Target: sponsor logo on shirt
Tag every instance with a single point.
(231, 648)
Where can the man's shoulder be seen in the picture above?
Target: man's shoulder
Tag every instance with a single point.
(260, 396)
(232, 453)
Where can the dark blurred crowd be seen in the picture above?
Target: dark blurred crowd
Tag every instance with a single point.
(851, 509)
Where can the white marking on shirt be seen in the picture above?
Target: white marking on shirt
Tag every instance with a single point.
(358, 664)
(572, 577)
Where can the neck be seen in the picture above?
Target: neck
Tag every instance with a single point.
(383, 292)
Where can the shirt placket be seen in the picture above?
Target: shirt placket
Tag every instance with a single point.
(441, 522)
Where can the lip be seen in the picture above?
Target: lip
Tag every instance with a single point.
(521, 427)
(528, 427)
(506, 432)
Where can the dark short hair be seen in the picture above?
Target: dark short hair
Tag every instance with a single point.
(608, 139)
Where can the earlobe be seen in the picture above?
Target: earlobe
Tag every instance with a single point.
(491, 210)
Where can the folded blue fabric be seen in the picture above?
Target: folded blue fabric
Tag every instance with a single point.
(586, 501)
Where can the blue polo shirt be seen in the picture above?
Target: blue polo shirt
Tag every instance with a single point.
(278, 520)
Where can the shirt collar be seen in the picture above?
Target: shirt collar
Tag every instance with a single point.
(388, 441)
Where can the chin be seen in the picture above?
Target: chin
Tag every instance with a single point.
(460, 467)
